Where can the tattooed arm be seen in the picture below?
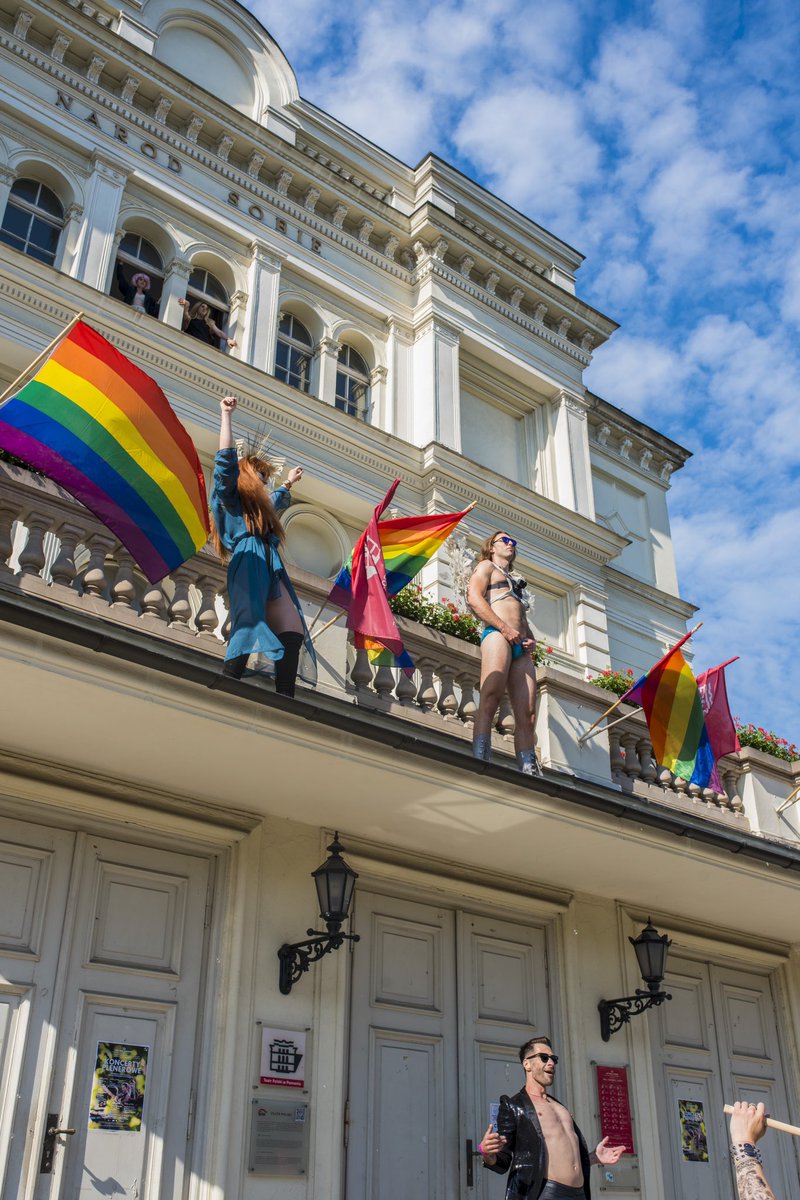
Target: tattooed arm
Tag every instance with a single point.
(748, 1124)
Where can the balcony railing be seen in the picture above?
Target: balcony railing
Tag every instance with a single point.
(54, 549)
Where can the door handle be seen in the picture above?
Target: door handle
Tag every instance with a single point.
(470, 1154)
(52, 1131)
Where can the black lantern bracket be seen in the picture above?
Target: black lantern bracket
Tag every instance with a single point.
(651, 953)
(334, 882)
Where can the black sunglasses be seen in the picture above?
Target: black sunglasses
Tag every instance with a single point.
(507, 541)
(546, 1058)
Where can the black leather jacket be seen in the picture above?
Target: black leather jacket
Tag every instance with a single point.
(525, 1151)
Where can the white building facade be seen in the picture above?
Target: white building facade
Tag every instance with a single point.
(158, 825)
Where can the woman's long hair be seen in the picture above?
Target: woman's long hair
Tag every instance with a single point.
(257, 507)
(194, 311)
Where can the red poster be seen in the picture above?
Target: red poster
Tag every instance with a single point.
(615, 1107)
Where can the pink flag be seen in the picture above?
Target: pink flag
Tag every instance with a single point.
(719, 722)
(368, 612)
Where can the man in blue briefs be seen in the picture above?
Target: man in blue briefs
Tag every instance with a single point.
(497, 597)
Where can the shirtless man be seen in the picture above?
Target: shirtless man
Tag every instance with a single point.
(507, 645)
(537, 1138)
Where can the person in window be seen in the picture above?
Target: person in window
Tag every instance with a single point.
(198, 323)
(266, 618)
(136, 293)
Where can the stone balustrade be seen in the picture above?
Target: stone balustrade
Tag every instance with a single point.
(54, 549)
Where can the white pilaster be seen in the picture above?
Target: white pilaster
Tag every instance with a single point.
(237, 324)
(437, 390)
(591, 629)
(264, 280)
(571, 454)
(397, 411)
(175, 282)
(93, 259)
(327, 355)
(7, 178)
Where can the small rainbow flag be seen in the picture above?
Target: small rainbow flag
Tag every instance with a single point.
(407, 544)
(100, 428)
(673, 709)
(380, 656)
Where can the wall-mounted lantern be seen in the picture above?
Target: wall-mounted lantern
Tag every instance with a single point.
(651, 954)
(334, 882)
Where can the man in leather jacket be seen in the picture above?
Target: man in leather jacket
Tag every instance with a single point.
(538, 1139)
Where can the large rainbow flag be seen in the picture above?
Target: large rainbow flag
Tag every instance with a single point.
(407, 544)
(673, 709)
(100, 428)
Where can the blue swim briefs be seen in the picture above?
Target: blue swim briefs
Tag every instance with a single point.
(516, 650)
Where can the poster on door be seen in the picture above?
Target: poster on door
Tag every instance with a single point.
(694, 1142)
(117, 1100)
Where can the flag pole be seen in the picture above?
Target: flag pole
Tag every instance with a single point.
(619, 720)
(790, 799)
(327, 624)
(31, 370)
(781, 1125)
(619, 699)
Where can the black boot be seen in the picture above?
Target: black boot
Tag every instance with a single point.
(234, 667)
(286, 667)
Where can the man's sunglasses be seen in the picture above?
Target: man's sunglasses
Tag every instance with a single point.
(507, 541)
(546, 1058)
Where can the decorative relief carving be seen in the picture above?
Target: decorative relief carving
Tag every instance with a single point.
(603, 434)
(390, 245)
(193, 128)
(129, 89)
(466, 265)
(539, 313)
(179, 267)
(666, 470)
(95, 68)
(311, 198)
(61, 44)
(645, 458)
(440, 249)
(563, 327)
(22, 24)
(491, 281)
(162, 109)
(254, 164)
(516, 297)
(364, 230)
(338, 215)
(421, 252)
(224, 146)
(283, 182)
(625, 447)
(587, 341)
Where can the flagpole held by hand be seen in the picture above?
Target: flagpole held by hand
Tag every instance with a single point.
(781, 1125)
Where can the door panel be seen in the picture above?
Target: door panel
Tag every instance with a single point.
(429, 985)
(101, 941)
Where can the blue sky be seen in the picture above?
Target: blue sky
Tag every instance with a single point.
(662, 141)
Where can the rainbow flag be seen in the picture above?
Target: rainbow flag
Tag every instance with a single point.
(673, 709)
(100, 428)
(380, 656)
(407, 543)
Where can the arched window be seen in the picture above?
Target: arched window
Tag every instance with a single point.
(352, 383)
(33, 220)
(293, 353)
(205, 288)
(137, 256)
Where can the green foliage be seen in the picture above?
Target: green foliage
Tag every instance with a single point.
(618, 682)
(446, 617)
(766, 740)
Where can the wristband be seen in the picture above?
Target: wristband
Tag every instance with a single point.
(740, 1150)
(480, 1147)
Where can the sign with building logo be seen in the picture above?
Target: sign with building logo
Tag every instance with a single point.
(283, 1057)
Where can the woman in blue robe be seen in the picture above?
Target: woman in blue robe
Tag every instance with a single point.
(265, 614)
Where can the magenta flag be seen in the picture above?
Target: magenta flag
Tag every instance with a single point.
(365, 600)
(719, 722)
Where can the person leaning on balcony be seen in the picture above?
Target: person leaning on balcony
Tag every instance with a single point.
(246, 532)
(507, 646)
(198, 323)
(137, 292)
(537, 1138)
(748, 1124)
